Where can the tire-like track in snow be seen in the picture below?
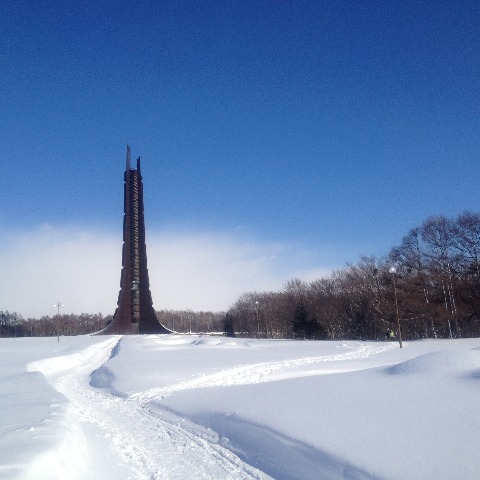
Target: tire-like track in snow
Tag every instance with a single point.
(150, 446)
(147, 446)
(258, 372)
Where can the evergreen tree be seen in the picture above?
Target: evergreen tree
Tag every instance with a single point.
(228, 329)
(300, 321)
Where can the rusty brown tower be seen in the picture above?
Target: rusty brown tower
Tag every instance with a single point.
(135, 312)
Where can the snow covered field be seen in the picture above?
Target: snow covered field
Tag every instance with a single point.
(192, 407)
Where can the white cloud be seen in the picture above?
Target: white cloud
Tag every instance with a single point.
(198, 271)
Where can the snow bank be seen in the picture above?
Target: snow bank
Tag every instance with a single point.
(40, 434)
(440, 363)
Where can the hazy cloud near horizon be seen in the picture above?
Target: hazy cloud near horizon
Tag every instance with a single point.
(198, 271)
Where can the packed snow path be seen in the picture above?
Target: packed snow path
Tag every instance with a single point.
(145, 443)
(260, 372)
(147, 447)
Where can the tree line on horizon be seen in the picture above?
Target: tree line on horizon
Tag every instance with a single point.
(13, 324)
(432, 279)
(434, 274)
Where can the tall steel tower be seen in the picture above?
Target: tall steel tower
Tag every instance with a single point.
(135, 312)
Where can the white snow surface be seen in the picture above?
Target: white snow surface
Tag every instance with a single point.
(199, 407)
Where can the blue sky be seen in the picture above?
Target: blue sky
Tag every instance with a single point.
(296, 136)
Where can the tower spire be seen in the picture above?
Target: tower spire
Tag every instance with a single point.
(128, 159)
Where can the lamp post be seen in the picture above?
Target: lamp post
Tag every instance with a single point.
(258, 320)
(58, 305)
(393, 271)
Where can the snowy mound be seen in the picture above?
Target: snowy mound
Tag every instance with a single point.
(218, 341)
(348, 345)
(452, 361)
(101, 378)
(206, 341)
(152, 341)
